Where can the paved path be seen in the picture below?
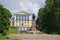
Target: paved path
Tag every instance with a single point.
(35, 37)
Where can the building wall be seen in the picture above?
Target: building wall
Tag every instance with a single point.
(21, 20)
(19, 23)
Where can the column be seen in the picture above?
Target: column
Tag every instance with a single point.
(25, 21)
(28, 21)
(21, 21)
(15, 20)
(18, 20)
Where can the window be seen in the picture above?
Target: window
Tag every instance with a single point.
(30, 17)
(26, 18)
(23, 18)
(12, 18)
(13, 23)
(25, 28)
(19, 18)
(16, 18)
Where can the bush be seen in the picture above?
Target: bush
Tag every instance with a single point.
(12, 30)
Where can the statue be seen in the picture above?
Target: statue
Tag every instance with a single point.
(33, 17)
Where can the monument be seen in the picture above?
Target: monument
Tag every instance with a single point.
(34, 30)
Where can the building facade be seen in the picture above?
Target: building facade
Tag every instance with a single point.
(22, 20)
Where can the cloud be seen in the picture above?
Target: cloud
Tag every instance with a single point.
(31, 6)
(23, 6)
(26, 5)
(14, 11)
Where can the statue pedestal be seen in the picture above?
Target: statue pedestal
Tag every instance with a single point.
(34, 25)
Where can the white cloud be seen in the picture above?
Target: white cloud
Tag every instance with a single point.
(33, 7)
(29, 6)
(23, 6)
(14, 11)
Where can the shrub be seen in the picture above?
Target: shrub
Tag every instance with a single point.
(12, 30)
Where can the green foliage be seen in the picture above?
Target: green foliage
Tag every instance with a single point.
(40, 16)
(5, 16)
(49, 17)
(12, 30)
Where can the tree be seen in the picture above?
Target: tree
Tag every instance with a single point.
(57, 15)
(5, 16)
(39, 20)
(51, 19)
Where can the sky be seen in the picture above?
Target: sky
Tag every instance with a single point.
(30, 6)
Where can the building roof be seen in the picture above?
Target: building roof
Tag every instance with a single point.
(22, 13)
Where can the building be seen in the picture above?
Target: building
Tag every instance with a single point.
(22, 20)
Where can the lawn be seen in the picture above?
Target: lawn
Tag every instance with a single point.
(10, 31)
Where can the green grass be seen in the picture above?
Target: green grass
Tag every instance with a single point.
(10, 31)
(2, 37)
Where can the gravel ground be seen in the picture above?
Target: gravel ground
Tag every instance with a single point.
(35, 37)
